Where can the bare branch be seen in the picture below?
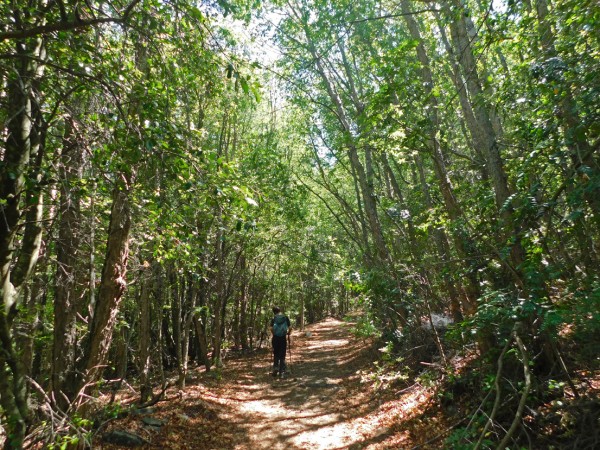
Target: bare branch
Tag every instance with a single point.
(525, 393)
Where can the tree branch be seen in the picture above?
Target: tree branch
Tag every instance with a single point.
(391, 16)
(492, 416)
(525, 393)
(67, 26)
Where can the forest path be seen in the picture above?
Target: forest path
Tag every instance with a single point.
(316, 406)
(327, 402)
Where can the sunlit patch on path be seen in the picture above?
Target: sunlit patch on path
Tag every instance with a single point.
(329, 343)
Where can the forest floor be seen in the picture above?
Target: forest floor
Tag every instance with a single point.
(332, 399)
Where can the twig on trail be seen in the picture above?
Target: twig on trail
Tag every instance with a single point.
(436, 365)
(563, 366)
(117, 386)
(479, 408)
(158, 397)
(407, 389)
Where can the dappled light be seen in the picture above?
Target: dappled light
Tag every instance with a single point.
(331, 343)
(323, 405)
(299, 224)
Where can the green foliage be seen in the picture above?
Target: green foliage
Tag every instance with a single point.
(365, 327)
(465, 438)
(79, 434)
(228, 163)
(583, 313)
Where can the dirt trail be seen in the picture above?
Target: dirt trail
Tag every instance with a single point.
(322, 405)
(309, 409)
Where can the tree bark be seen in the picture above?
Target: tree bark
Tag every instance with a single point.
(112, 284)
(23, 152)
(68, 286)
(220, 296)
(244, 304)
(145, 343)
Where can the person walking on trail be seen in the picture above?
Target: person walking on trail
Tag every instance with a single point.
(280, 329)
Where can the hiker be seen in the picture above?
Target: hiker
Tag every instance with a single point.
(280, 329)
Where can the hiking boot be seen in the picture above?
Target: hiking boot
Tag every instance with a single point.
(274, 373)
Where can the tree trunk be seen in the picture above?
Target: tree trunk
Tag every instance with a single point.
(244, 304)
(485, 137)
(235, 319)
(24, 144)
(443, 250)
(188, 316)
(121, 355)
(157, 312)
(462, 242)
(200, 321)
(112, 284)
(220, 296)
(363, 172)
(576, 134)
(68, 285)
(145, 344)
(177, 292)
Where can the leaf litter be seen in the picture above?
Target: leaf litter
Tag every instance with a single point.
(327, 402)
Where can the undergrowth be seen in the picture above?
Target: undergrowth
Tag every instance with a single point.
(508, 395)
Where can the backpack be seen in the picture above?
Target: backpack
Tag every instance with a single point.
(280, 326)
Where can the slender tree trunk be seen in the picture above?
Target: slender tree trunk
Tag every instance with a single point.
(187, 319)
(177, 291)
(112, 284)
(463, 244)
(68, 286)
(29, 328)
(121, 356)
(244, 291)
(235, 319)
(363, 172)
(23, 152)
(201, 323)
(443, 250)
(576, 133)
(220, 296)
(157, 312)
(485, 137)
(145, 344)
(92, 250)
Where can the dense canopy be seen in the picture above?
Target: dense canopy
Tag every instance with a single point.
(172, 169)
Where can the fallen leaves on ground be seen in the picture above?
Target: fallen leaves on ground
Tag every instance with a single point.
(326, 403)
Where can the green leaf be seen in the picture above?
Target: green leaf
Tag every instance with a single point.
(244, 84)
(255, 88)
